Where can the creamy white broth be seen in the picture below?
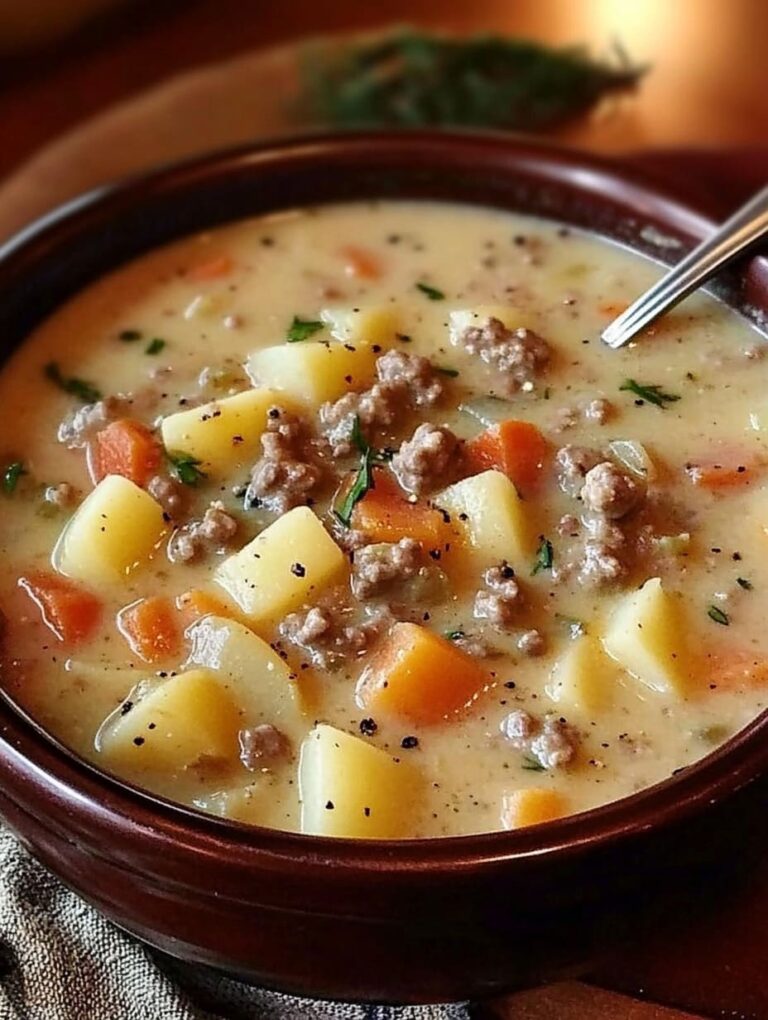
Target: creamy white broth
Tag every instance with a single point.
(565, 286)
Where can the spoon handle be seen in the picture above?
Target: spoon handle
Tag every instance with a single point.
(747, 225)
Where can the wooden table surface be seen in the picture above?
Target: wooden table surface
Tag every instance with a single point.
(708, 88)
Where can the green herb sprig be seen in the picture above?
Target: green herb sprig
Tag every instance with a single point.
(431, 292)
(531, 764)
(744, 583)
(362, 483)
(455, 635)
(186, 468)
(545, 557)
(303, 329)
(80, 388)
(409, 78)
(452, 373)
(364, 478)
(11, 476)
(716, 613)
(155, 346)
(651, 392)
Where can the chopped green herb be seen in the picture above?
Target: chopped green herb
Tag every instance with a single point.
(432, 292)
(154, 346)
(357, 435)
(714, 734)
(362, 483)
(129, 335)
(744, 583)
(455, 635)
(531, 764)
(303, 329)
(452, 372)
(716, 613)
(545, 556)
(11, 476)
(574, 625)
(186, 468)
(651, 392)
(80, 388)
(410, 78)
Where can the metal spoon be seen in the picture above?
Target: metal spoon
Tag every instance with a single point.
(747, 225)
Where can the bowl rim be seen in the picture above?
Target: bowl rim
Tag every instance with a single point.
(24, 741)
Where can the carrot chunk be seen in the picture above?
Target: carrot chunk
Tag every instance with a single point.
(531, 807)
(515, 447)
(726, 473)
(72, 613)
(126, 448)
(612, 309)
(212, 269)
(361, 263)
(385, 515)
(734, 669)
(419, 676)
(151, 628)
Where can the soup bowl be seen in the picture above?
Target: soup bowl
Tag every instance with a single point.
(410, 920)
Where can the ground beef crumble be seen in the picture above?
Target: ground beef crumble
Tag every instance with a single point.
(596, 411)
(377, 568)
(430, 459)
(61, 495)
(499, 601)
(82, 424)
(573, 463)
(552, 741)
(517, 356)
(170, 494)
(290, 468)
(404, 381)
(473, 645)
(412, 373)
(532, 642)
(333, 632)
(212, 533)
(608, 495)
(261, 746)
(610, 492)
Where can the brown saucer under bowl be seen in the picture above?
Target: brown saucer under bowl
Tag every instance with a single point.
(409, 921)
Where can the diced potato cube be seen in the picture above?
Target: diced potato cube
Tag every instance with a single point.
(349, 788)
(248, 803)
(174, 725)
(647, 636)
(313, 372)
(462, 319)
(582, 680)
(531, 806)
(116, 528)
(488, 511)
(223, 435)
(289, 562)
(259, 681)
(376, 325)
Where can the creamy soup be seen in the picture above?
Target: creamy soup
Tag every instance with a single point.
(344, 521)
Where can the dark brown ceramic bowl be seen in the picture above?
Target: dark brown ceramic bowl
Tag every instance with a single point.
(404, 921)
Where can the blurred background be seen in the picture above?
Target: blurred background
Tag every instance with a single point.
(64, 60)
(92, 90)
